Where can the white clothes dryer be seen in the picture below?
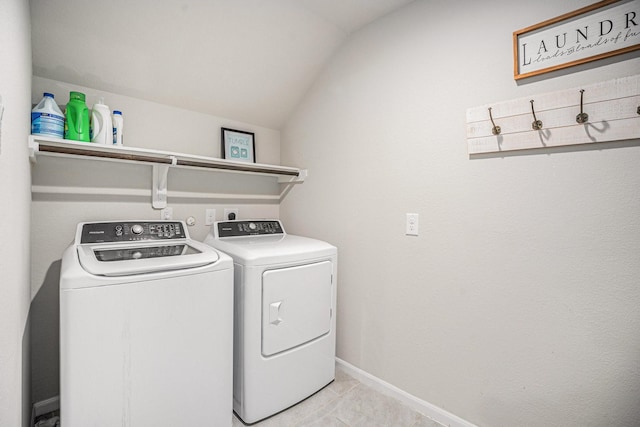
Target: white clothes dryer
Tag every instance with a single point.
(146, 328)
(285, 325)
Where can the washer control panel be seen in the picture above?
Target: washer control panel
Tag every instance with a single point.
(105, 232)
(249, 228)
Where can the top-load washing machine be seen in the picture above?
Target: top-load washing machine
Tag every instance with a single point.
(285, 305)
(146, 328)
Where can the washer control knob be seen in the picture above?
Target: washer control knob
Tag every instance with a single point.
(252, 225)
(137, 229)
(136, 255)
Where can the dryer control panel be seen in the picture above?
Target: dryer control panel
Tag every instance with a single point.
(248, 228)
(106, 232)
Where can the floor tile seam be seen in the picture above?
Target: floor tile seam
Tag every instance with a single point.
(431, 420)
(309, 416)
(357, 410)
(334, 392)
(342, 421)
(338, 399)
(416, 415)
(344, 392)
(417, 420)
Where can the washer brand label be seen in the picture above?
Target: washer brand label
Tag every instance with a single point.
(97, 232)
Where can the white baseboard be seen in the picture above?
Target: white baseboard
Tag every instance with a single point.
(437, 414)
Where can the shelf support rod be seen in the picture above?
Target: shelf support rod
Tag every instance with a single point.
(302, 175)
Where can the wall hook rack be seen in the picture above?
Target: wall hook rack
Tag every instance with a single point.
(614, 112)
(582, 117)
(537, 124)
(495, 129)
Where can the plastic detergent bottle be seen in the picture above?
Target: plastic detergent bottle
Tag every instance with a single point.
(101, 127)
(47, 118)
(76, 126)
(118, 124)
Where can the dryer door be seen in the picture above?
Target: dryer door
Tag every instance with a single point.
(296, 306)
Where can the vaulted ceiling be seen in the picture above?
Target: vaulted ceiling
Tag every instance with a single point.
(246, 60)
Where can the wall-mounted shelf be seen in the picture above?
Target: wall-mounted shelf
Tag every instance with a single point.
(160, 161)
(610, 111)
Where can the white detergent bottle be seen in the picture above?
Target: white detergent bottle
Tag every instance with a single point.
(118, 124)
(47, 118)
(101, 127)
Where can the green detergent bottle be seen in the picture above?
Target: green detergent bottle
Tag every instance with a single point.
(76, 124)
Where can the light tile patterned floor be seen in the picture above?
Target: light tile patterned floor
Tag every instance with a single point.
(346, 402)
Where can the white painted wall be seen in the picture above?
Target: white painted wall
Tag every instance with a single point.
(245, 59)
(15, 86)
(518, 303)
(55, 214)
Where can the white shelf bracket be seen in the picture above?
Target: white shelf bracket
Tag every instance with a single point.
(34, 147)
(159, 186)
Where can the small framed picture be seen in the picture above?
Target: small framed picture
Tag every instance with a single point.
(238, 145)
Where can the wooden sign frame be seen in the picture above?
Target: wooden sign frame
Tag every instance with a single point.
(601, 30)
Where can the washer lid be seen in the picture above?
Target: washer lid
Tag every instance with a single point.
(122, 259)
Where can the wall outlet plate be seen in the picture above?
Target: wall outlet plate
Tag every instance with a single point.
(227, 211)
(209, 216)
(412, 224)
(166, 213)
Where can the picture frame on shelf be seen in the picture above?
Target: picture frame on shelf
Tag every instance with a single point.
(238, 145)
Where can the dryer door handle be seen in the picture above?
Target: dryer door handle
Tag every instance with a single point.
(274, 313)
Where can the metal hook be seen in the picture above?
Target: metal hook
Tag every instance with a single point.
(496, 129)
(582, 117)
(537, 124)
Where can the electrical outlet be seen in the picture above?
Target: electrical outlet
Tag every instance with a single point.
(228, 211)
(166, 213)
(412, 224)
(209, 216)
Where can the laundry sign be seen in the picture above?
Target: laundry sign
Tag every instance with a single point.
(601, 30)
